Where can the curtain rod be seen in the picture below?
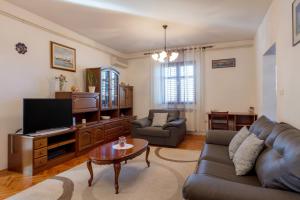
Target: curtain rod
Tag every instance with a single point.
(182, 49)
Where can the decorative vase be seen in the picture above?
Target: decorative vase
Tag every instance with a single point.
(61, 86)
(92, 89)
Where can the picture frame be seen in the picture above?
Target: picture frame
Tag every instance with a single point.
(296, 22)
(62, 57)
(223, 63)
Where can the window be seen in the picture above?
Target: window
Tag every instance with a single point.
(179, 83)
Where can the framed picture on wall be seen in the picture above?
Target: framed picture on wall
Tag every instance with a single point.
(296, 22)
(223, 63)
(62, 57)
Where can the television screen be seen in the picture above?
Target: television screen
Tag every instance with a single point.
(43, 114)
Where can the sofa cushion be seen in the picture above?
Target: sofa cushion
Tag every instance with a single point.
(278, 128)
(278, 166)
(246, 155)
(172, 114)
(226, 172)
(154, 132)
(237, 140)
(217, 153)
(262, 127)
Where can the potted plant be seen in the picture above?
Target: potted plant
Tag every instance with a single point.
(62, 80)
(91, 79)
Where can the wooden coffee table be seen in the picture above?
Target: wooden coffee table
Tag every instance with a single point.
(105, 154)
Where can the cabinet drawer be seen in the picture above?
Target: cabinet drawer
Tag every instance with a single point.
(38, 162)
(113, 133)
(40, 143)
(85, 103)
(85, 139)
(40, 152)
(113, 125)
(99, 135)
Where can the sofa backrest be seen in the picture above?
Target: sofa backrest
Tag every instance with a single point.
(172, 114)
(262, 127)
(278, 166)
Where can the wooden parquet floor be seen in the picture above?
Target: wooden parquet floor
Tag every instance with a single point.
(12, 182)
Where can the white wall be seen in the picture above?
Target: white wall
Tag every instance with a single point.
(269, 103)
(277, 28)
(230, 89)
(30, 75)
(139, 75)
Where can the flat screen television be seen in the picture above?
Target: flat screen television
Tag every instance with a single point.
(44, 114)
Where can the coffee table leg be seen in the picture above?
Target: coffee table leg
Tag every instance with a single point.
(89, 166)
(117, 168)
(147, 154)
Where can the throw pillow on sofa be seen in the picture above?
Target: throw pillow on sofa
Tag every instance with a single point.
(246, 155)
(159, 119)
(237, 140)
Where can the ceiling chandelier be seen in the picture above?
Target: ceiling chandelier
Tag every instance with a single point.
(165, 55)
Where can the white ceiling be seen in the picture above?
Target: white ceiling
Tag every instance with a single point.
(131, 26)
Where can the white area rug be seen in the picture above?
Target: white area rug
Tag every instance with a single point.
(162, 181)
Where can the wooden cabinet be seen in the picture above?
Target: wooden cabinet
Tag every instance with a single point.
(126, 96)
(81, 101)
(102, 132)
(85, 138)
(85, 102)
(107, 80)
(31, 155)
(99, 136)
(84, 105)
(114, 129)
(237, 120)
(126, 100)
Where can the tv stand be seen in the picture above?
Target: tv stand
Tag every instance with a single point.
(37, 152)
(48, 131)
(33, 154)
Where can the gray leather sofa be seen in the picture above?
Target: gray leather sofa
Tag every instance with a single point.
(276, 175)
(171, 134)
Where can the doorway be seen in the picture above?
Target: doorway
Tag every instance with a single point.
(269, 107)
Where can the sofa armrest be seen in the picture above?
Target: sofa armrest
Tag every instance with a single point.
(204, 187)
(142, 123)
(175, 123)
(219, 137)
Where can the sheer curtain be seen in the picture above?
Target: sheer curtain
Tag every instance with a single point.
(179, 85)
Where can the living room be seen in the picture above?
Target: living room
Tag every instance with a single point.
(141, 86)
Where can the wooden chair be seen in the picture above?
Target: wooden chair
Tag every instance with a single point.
(219, 120)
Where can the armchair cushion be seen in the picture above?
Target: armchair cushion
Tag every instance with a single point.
(142, 123)
(172, 114)
(159, 119)
(154, 132)
(175, 123)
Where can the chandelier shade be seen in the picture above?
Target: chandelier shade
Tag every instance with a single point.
(165, 56)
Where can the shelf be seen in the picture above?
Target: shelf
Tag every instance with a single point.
(126, 107)
(60, 158)
(107, 109)
(61, 144)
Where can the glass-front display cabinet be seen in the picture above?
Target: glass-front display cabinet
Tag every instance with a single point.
(109, 89)
(106, 82)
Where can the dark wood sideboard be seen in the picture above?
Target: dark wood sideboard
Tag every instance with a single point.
(31, 155)
(237, 120)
